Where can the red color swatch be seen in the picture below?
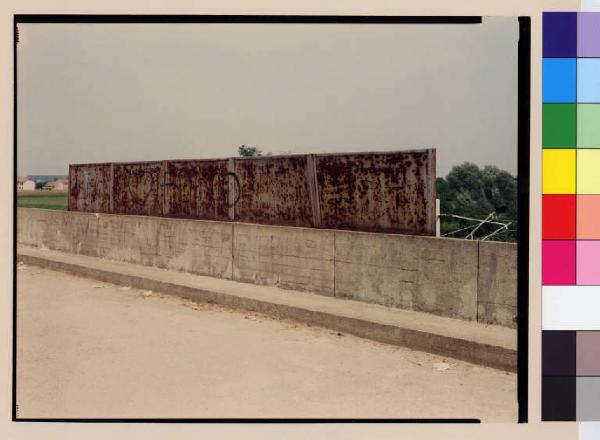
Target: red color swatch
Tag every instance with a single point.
(559, 213)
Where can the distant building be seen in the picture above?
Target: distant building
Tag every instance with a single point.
(25, 184)
(61, 184)
(58, 184)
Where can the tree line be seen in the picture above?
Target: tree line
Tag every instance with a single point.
(473, 192)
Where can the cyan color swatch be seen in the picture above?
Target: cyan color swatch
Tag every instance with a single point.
(559, 83)
(588, 80)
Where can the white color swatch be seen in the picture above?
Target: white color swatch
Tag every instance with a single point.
(590, 5)
(571, 308)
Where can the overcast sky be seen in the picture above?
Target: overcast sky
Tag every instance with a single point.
(131, 92)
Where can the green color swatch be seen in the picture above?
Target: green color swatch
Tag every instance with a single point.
(588, 126)
(559, 125)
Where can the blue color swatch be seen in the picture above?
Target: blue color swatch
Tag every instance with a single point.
(588, 80)
(559, 80)
(560, 34)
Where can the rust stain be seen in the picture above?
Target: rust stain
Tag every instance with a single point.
(273, 190)
(376, 192)
(89, 188)
(197, 189)
(137, 188)
(382, 192)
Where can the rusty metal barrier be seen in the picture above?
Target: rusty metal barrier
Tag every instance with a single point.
(381, 192)
(196, 189)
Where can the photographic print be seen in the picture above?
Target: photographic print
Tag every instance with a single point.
(271, 218)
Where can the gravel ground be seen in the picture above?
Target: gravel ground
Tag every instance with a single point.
(88, 349)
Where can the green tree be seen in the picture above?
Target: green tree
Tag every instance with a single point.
(246, 151)
(501, 190)
(469, 191)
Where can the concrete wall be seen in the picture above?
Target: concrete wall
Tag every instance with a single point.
(291, 258)
(416, 273)
(201, 247)
(497, 301)
(457, 278)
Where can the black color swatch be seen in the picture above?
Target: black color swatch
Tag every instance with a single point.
(559, 352)
(559, 399)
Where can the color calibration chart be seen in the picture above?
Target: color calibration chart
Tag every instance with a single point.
(571, 217)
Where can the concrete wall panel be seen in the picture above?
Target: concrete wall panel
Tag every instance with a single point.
(199, 247)
(291, 258)
(497, 302)
(447, 280)
(376, 268)
(416, 273)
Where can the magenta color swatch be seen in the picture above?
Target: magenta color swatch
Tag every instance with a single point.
(588, 262)
(558, 262)
(588, 34)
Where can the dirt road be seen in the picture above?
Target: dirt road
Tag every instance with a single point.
(88, 349)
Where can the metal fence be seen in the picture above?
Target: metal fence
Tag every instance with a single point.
(382, 192)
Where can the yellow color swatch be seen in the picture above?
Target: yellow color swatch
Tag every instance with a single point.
(558, 171)
(588, 171)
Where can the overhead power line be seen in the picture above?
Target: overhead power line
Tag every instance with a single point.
(491, 219)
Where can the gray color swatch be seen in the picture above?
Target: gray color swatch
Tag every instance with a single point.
(588, 353)
(588, 399)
